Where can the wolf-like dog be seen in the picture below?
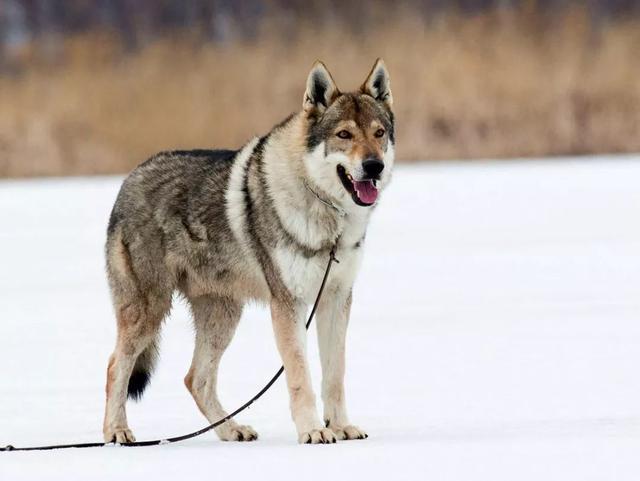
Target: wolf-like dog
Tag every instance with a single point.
(224, 228)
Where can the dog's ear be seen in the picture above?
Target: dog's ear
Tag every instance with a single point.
(377, 84)
(321, 89)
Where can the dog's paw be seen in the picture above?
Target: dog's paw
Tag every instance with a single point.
(119, 435)
(236, 432)
(317, 436)
(349, 432)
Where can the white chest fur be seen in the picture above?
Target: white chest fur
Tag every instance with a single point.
(302, 275)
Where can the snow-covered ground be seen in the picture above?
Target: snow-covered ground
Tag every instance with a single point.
(495, 336)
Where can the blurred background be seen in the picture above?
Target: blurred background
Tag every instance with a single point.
(95, 87)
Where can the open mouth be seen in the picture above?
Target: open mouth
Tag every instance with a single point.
(363, 192)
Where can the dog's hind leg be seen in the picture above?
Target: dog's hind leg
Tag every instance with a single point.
(333, 318)
(216, 319)
(130, 364)
(142, 298)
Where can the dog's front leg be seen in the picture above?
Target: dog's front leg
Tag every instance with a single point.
(288, 325)
(333, 318)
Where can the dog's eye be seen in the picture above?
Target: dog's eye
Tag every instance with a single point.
(344, 134)
(379, 133)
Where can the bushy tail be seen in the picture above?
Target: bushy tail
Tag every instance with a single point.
(142, 371)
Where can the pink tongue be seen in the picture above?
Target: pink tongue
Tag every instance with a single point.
(366, 191)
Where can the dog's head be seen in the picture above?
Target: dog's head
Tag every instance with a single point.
(350, 136)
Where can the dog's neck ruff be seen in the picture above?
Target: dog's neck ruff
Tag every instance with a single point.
(341, 212)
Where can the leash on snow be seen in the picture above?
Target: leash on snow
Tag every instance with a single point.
(177, 439)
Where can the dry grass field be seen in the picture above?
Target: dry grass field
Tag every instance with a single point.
(498, 84)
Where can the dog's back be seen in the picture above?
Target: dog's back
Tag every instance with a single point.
(165, 180)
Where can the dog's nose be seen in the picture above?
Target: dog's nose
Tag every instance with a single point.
(372, 167)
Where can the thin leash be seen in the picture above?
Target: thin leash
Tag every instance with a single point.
(184, 437)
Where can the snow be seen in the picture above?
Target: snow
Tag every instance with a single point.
(495, 336)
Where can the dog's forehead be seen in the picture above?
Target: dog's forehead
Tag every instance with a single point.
(360, 108)
(366, 112)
